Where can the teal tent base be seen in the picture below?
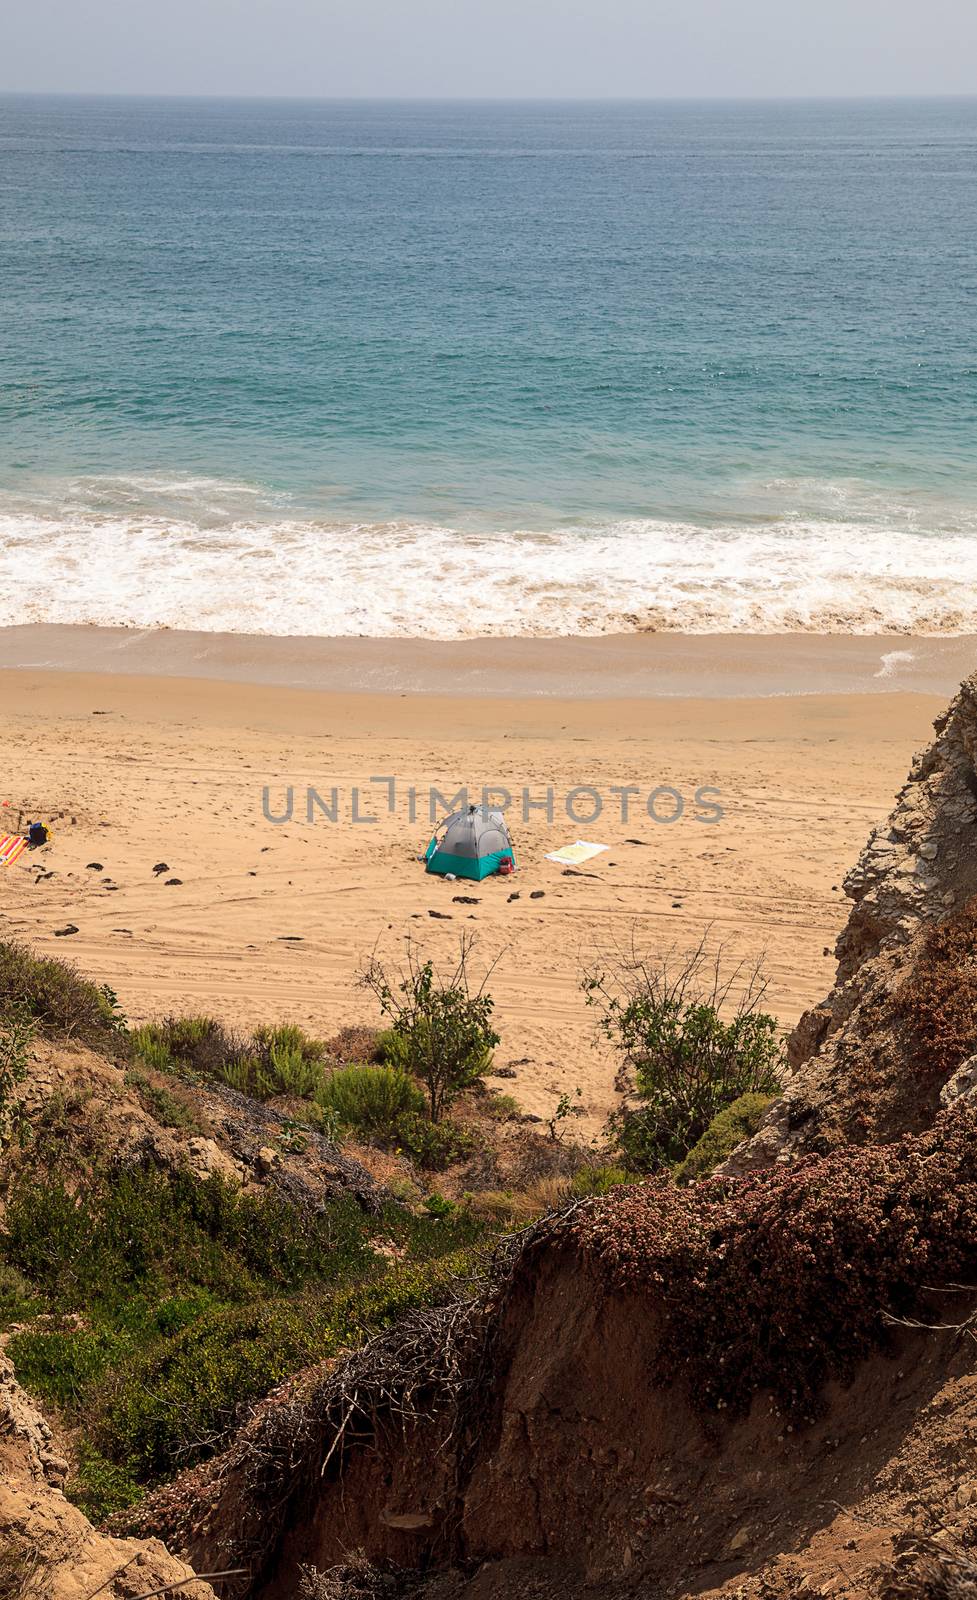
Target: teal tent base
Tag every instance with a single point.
(442, 862)
(470, 844)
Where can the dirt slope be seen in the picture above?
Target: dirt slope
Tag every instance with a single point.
(636, 1404)
(105, 1110)
(48, 1550)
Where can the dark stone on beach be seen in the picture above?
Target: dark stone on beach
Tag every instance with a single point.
(635, 841)
(290, 938)
(536, 894)
(94, 866)
(513, 896)
(442, 916)
(465, 900)
(172, 883)
(160, 866)
(62, 933)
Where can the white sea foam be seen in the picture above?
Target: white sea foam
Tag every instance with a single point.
(893, 661)
(291, 576)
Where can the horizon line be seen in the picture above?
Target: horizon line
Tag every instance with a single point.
(490, 99)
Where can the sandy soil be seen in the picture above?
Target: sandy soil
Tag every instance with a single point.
(254, 920)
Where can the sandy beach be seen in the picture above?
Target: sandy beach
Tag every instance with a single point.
(138, 765)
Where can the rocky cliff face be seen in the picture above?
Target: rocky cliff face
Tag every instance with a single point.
(854, 1058)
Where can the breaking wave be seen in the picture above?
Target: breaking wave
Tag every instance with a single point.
(219, 560)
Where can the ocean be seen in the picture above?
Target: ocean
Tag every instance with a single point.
(448, 369)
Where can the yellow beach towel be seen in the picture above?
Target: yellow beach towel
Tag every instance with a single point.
(571, 855)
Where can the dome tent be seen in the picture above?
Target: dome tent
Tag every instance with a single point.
(470, 844)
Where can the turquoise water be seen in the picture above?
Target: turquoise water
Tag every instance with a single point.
(443, 368)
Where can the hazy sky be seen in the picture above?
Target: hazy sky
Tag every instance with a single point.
(494, 47)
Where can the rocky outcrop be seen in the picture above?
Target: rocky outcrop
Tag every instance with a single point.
(852, 1075)
(48, 1549)
(103, 1109)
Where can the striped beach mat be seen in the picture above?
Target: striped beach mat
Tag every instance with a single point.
(12, 845)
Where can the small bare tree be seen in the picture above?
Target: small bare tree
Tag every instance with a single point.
(691, 1028)
(441, 1027)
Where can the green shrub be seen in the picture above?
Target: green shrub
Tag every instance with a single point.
(58, 1366)
(162, 1105)
(194, 1300)
(198, 1046)
(100, 1488)
(501, 1107)
(273, 1061)
(369, 1099)
(597, 1180)
(441, 1031)
(696, 1039)
(59, 1000)
(149, 1045)
(290, 1062)
(182, 1400)
(390, 1047)
(17, 1298)
(89, 1245)
(246, 1074)
(433, 1145)
(736, 1122)
(16, 1038)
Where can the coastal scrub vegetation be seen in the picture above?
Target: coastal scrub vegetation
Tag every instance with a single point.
(271, 1061)
(693, 1034)
(441, 1028)
(152, 1307)
(792, 1275)
(16, 1037)
(727, 1129)
(163, 1305)
(939, 1000)
(58, 999)
(369, 1098)
(438, 1046)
